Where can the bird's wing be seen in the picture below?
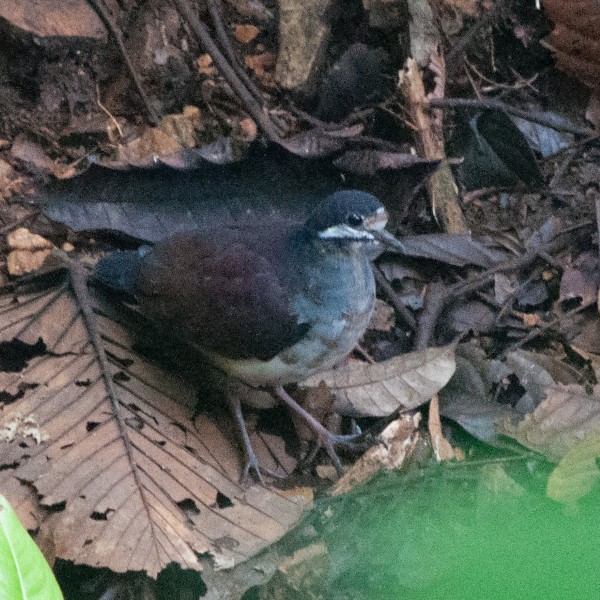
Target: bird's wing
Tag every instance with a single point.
(224, 292)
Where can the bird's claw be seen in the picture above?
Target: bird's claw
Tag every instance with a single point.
(252, 465)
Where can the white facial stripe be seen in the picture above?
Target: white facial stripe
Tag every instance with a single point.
(344, 232)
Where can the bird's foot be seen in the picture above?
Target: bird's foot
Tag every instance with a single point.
(253, 466)
(324, 438)
(329, 441)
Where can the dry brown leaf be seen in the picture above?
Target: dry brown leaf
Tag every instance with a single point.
(245, 33)
(36, 159)
(28, 251)
(20, 262)
(263, 66)
(55, 18)
(530, 319)
(205, 65)
(377, 390)
(559, 423)
(441, 446)
(396, 443)
(129, 481)
(23, 239)
(574, 39)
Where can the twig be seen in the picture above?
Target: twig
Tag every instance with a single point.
(107, 112)
(256, 110)
(597, 202)
(435, 300)
(215, 10)
(151, 114)
(465, 40)
(534, 333)
(462, 288)
(562, 168)
(541, 118)
(392, 296)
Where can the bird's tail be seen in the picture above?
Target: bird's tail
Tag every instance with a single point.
(119, 270)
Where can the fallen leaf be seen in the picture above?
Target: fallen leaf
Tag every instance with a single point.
(20, 262)
(377, 390)
(467, 399)
(561, 421)
(368, 162)
(396, 444)
(245, 33)
(118, 472)
(529, 319)
(36, 159)
(23, 239)
(574, 39)
(577, 472)
(68, 19)
(579, 283)
(441, 446)
(205, 65)
(263, 66)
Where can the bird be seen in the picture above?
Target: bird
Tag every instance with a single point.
(268, 303)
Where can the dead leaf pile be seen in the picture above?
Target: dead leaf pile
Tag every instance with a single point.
(109, 463)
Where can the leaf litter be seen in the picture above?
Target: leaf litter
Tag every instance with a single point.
(117, 468)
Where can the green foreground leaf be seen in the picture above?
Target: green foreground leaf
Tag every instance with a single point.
(24, 572)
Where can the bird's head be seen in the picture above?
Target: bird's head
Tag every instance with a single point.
(348, 216)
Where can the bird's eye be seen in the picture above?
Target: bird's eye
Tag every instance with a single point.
(354, 220)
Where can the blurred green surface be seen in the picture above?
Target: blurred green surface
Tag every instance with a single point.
(470, 530)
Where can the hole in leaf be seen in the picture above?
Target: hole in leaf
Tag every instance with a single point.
(83, 383)
(121, 377)
(8, 398)
(223, 501)
(101, 516)
(15, 355)
(58, 507)
(6, 466)
(179, 426)
(123, 362)
(189, 507)
(91, 425)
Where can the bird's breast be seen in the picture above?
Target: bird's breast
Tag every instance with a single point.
(336, 301)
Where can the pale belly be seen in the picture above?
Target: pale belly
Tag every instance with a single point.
(325, 345)
(338, 313)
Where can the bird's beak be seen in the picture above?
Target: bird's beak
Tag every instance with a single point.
(388, 240)
(376, 227)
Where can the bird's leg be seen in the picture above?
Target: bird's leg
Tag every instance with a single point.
(235, 406)
(325, 439)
